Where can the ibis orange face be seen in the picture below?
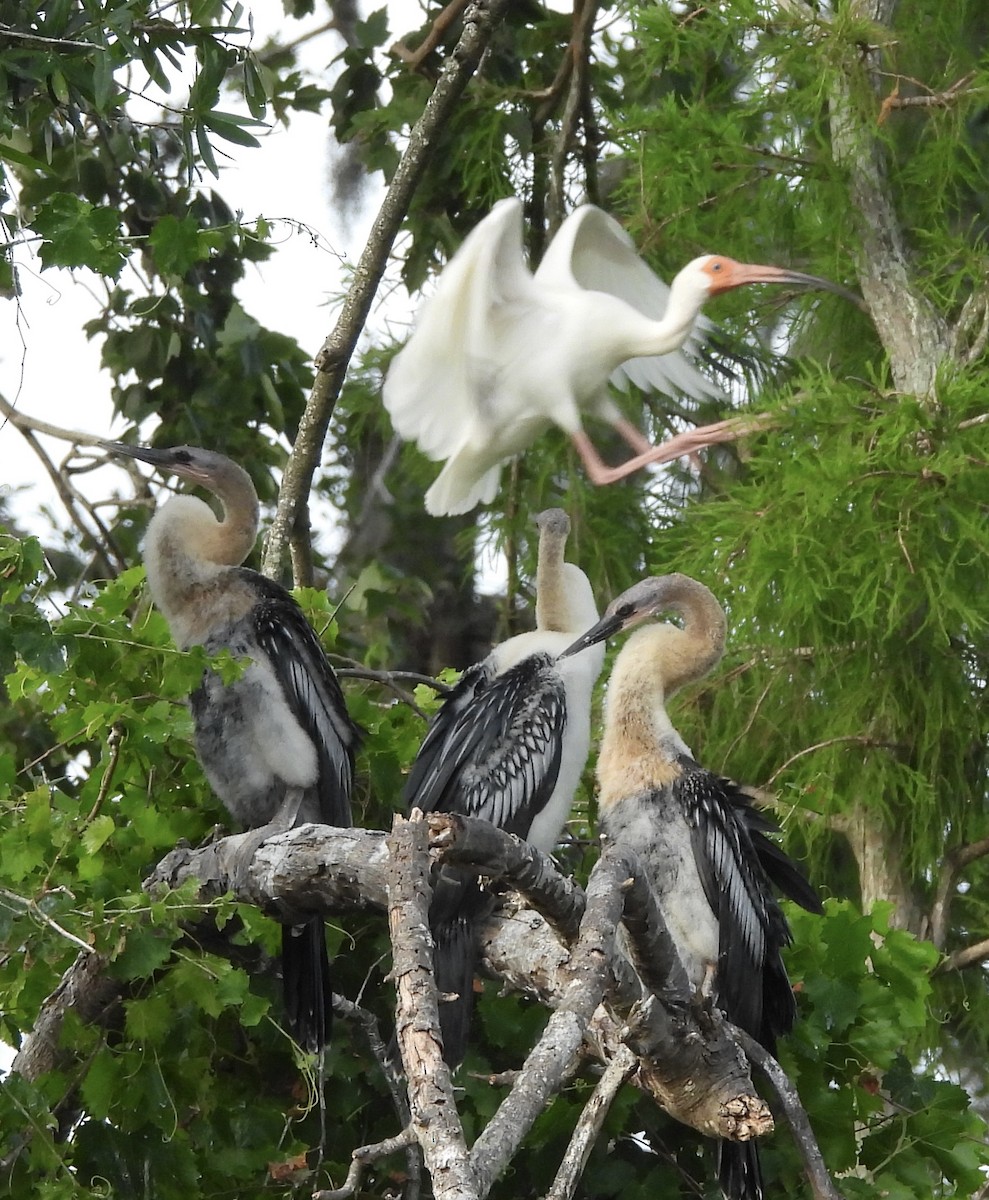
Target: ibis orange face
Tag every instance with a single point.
(725, 274)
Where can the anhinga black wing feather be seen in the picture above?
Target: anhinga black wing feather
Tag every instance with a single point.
(311, 691)
(494, 748)
(752, 987)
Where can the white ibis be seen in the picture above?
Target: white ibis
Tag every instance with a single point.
(702, 844)
(499, 355)
(277, 744)
(508, 744)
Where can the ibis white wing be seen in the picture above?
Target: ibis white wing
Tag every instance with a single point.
(592, 250)
(437, 384)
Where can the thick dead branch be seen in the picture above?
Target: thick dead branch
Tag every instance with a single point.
(85, 990)
(480, 20)
(435, 1121)
(312, 868)
(822, 1186)
(586, 979)
(471, 842)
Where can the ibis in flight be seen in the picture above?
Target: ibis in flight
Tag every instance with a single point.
(508, 744)
(277, 744)
(499, 355)
(703, 846)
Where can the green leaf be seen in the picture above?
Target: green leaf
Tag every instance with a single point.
(97, 833)
(177, 244)
(77, 234)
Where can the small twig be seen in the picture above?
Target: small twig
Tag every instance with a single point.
(820, 1181)
(388, 679)
(103, 545)
(589, 1125)
(360, 1159)
(861, 738)
(444, 19)
(31, 907)
(368, 1022)
(932, 100)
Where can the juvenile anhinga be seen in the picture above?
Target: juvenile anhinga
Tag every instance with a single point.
(509, 745)
(277, 744)
(702, 844)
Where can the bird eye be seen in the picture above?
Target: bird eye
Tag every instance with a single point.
(624, 611)
(182, 456)
(717, 265)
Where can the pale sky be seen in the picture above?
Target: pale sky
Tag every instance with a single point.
(52, 372)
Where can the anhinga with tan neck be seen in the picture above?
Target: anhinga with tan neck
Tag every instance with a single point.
(508, 744)
(701, 843)
(277, 744)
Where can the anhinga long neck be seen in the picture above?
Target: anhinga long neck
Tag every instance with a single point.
(189, 555)
(694, 650)
(552, 603)
(639, 744)
(233, 537)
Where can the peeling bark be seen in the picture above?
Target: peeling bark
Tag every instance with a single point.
(915, 336)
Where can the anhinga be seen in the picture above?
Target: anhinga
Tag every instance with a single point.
(277, 744)
(702, 844)
(499, 355)
(508, 744)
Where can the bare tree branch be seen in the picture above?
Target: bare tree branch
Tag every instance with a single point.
(968, 956)
(480, 20)
(822, 1186)
(413, 1160)
(470, 841)
(579, 52)
(360, 1158)
(588, 1127)
(102, 543)
(444, 19)
(435, 1120)
(955, 861)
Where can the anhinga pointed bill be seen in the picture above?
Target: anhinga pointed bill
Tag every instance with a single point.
(700, 841)
(508, 744)
(277, 744)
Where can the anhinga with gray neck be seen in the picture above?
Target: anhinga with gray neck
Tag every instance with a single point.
(700, 841)
(508, 744)
(277, 744)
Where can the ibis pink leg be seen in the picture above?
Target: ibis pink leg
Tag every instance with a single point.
(682, 444)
